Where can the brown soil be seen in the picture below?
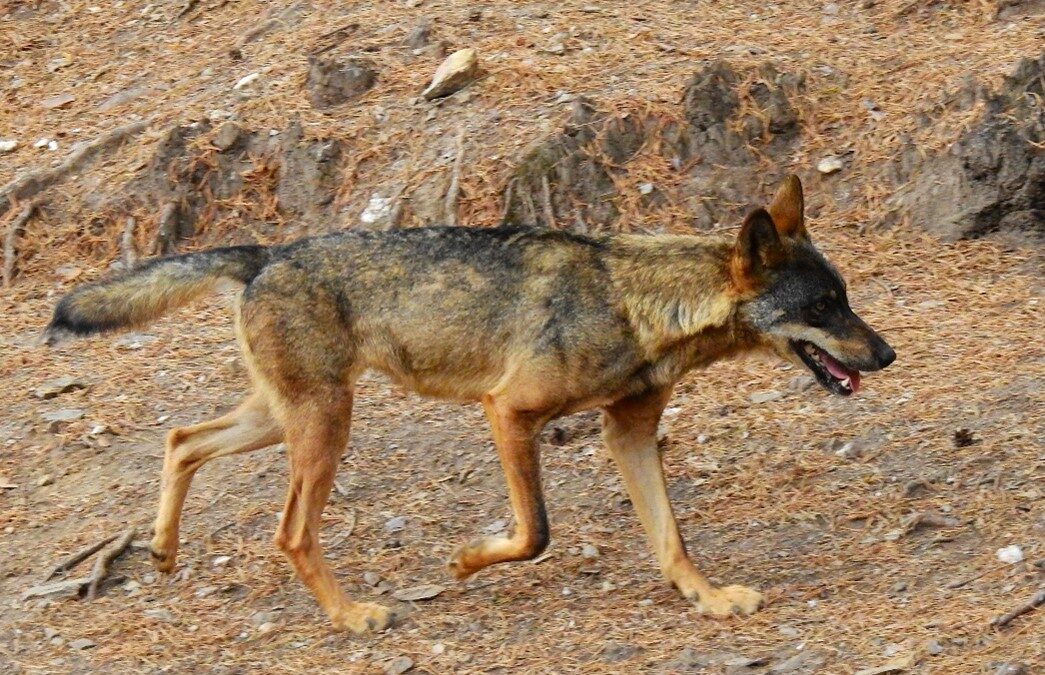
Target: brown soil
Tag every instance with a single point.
(768, 494)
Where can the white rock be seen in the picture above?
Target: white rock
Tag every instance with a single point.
(589, 552)
(246, 81)
(42, 143)
(379, 208)
(646, 188)
(8, 145)
(829, 165)
(221, 560)
(1010, 554)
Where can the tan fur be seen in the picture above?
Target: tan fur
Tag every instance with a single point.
(532, 324)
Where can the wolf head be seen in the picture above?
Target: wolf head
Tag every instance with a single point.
(795, 301)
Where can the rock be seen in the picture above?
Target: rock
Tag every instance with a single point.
(134, 340)
(263, 617)
(1011, 669)
(1010, 554)
(45, 480)
(800, 383)
(226, 136)
(806, 661)
(425, 592)
(246, 81)
(933, 648)
(50, 633)
(205, 591)
(371, 578)
(59, 101)
(56, 590)
(378, 211)
(766, 396)
(398, 665)
(992, 179)
(60, 385)
(615, 652)
(159, 614)
(267, 627)
(42, 143)
(418, 36)
(589, 552)
(896, 665)
(829, 165)
(57, 419)
(830, 9)
(122, 97)
(395, 524)
(81, 644)
(7, 145)
(333, 81)
(221, 560)
(456, 72)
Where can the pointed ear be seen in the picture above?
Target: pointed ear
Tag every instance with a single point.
(757, 248)
(788, 209)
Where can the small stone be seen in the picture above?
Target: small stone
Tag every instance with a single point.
(1011, 669)
(456, 72)
(766, 396)
(399, 665)
(371, 578)
(159, 614)
(57, 419)
(205, 591)
(419, 35)
(899, 587)
(45, 480)
(800, 383)
(59, 101)
(333, 81)
(395, 524)
(149, 579)
(221, 560)
(830, 9)
(933, 648)
(788, 630)
(646, 188)
(648, 602)
(50, 633)
(615, 652)
(246, 81)
(425, 592)
(7, 145)
(266, 627)
(804, 661)
(589, 552)
(829, 165)
(1010, 554)
(60, 385)
(42, 143)
(259, 619)
(133, 586)
(438, 648)
(81, 644)
(227, 135)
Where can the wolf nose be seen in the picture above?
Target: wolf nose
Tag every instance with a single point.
(886, 355)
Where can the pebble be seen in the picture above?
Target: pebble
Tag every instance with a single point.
(399, 522)
(1010, 554)
(45, 480)
(456, 72)
(8, 145)
(49, 633)
(205, 591)
(60, 385)
(159, 614)
(221, 560)
(766, 396)
(589, 552)
(1011, 669)
(399, 665)
(259, 619)
(371, 578)
(933, 647)
(646, 188)
(266, 627)
(829, 165)
(246, 81)
(81, 644)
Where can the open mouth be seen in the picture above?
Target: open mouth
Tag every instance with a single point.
(831, 373)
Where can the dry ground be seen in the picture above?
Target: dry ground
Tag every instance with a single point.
(767, 494)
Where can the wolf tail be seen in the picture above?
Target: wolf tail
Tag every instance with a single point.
(142, 294)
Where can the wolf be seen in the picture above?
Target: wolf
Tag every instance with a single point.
(533, 324)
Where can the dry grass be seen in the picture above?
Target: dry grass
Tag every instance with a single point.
(761, 501)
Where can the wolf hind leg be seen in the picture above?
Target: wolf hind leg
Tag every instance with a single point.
(249, 427)
(515, 435)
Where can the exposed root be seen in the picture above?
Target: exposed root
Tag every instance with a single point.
(101, 565)
(11, 237)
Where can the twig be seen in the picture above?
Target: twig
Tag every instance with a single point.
(450, 205)
(13, 230)
(964, 582)
(36, 182)
(130, 256)
(77, 558)
(507, 202)
(216, 531)
(546, 202)
(185, 9)
(1036, 601)
(101, 565)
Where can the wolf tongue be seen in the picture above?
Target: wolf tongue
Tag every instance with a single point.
(840, 371)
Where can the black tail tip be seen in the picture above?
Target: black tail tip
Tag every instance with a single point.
(64, 326)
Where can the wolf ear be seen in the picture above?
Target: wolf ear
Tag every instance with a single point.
(788, 209)
(758, 246)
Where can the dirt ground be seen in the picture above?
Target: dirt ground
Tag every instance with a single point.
(872, 524)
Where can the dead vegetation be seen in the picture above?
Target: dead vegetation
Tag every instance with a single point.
(872, 529)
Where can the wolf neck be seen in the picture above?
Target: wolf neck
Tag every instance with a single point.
(673, 289)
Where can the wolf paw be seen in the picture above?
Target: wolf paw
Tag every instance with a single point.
(364, 617)
(163, 557)
(730, 600)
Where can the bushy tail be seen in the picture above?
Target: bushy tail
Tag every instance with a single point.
(139, 295)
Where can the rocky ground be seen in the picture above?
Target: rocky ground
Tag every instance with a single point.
(889, 532)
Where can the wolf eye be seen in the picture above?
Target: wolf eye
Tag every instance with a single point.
(821, 306)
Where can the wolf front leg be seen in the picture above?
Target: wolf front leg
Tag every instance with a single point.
(630, 432)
